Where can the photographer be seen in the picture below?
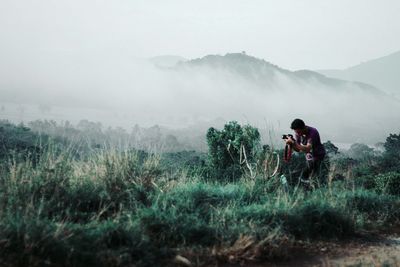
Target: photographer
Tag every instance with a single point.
(307, 140)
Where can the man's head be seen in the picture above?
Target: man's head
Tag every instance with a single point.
(298, 126)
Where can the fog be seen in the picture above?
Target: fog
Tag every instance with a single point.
(99, 66)
(311, 34)
(120, 91)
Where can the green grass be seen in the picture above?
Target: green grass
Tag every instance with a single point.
(120, 208)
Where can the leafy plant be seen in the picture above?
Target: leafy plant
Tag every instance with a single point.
(232, 148)
(388, 183)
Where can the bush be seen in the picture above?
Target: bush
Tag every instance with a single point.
(191, 161)
(173, 228)
(32, 242)
(366, 181)
(226, 149)
(20, 143)
(320, 220)
(374, 207)
(392, 145)
(360, 152)
(391, 156)
(388, 183)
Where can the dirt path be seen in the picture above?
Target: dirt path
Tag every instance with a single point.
(379, 252)
(386, 253)
(373, 251)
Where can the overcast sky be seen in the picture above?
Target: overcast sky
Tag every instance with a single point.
(296, 34)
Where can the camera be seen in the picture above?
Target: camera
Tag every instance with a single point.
(287, 136)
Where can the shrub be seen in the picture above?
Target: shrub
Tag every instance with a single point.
(366, 181)
(330, 148)
(319, 220)
(173, 228)
(226, 149)
(391, 156)
(388, 183)
(20, 142)
(33, 242)
(193, 162)
(374, 207)
(361, 151)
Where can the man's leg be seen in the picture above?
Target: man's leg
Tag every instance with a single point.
(306, 175)
(320, 172)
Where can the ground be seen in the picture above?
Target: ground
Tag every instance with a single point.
(382, 250)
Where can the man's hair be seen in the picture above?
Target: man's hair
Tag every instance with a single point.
(297, 124)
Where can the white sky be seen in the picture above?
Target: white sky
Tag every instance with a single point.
(297, 34)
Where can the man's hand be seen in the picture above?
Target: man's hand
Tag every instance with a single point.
(289, 141)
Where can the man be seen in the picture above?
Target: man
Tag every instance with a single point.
(307, 140)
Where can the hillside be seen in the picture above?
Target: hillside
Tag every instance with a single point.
(263, 73)
(381, 72)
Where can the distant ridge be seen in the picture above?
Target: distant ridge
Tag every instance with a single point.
(383, 72)
(265, 73)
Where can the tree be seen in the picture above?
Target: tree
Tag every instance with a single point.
(230, 148)
(391, 156)
(360, 151)
(392, 145)
(330, 148)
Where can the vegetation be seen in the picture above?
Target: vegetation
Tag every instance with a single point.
(122, 207)
(88, 136)
(232, 148)
(20, 142)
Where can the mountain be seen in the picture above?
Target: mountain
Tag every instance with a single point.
(267, 75)
(381, 72)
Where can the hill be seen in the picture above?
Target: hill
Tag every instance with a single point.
(264, 73)
(381, 72)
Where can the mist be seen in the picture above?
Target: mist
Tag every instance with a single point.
(123, 91)
(69, 61)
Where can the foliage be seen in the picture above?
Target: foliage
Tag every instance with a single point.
(87, 137)
(360, 151)
(192, 161)
(330, 148)
(230, 148)
(130, 208)
(392, 144)
(378, 208)
(391, 156)
(19, 142)
(388, 183)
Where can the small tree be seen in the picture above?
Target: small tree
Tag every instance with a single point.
(391, 156)
(330, 148)
(361, 151)
(392, 145)
(231, 148)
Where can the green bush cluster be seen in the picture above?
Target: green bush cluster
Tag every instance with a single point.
(230, 148)
(19, 143)
(388, 183)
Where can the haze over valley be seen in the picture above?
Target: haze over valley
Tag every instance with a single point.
(148, 64)
(178, 93)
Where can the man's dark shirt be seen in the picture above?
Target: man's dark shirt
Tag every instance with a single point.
(317, 150)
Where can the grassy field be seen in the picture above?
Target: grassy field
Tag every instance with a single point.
(130, 208)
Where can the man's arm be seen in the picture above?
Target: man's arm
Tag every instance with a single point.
(294, 146)
(300, 148)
